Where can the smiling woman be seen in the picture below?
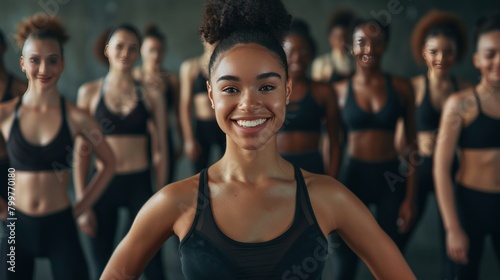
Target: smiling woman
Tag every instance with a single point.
(252, 214)
(40, 128)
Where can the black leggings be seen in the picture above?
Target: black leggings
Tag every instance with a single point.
(373, 184)
(53, 236)
(208, 134)
(480, 216)
(424, 187)
(310, 161)
(125, 190)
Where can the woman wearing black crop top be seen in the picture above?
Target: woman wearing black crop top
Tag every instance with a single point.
(312, 106)
(10, 87)
(40, 128)
(337, 64)
(438, 40)
(372, 104)
(471, 123)
(252, 215)
(154, 77)
(200, 139)
(124, 109)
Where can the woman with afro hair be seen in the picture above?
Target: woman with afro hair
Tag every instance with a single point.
(252, 214)
(439, 40)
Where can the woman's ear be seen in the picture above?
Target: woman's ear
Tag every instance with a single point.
(210, 95)
(288, 89)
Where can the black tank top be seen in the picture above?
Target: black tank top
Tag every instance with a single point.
(8, 89)
(54, 156)
(304, 115)
(207, 253)
(482, 133)
(357, 119)
(135, 123)
(427, 117)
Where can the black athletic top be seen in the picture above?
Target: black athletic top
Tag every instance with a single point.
(8, 89)
(300, 252)
(200, 85)
(304, 115)
(135, 123)
(54, 156)
(357, 119)
(482, 133)
(427, 118)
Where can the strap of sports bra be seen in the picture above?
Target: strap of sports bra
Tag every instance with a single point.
(477, 100)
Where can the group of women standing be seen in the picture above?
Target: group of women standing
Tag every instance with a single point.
(251, 96)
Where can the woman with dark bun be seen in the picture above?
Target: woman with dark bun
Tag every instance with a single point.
(373, 102)
(40, 128)
(153, 77)
(252, 214)
(438, 40)
(10, 87)
(201, 135)
(124, 110)
(312, 106)
(471, 122)
(338, 63)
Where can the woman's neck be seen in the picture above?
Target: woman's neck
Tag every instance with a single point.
(367, 74)
(38, 98)
(150, 68)
(435, 76)
(119, 76)
(486, 87)
(250, 165)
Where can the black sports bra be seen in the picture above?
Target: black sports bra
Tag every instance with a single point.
(304, 115)
(54, 156)
(427, 118)
(135, 123)
(482, 133)
(207, 253)
(200, 85)
(357, 119)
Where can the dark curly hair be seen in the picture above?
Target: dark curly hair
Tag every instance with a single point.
(487, 24)
(232, 22)
(340, 18)
(437, 23)
(41, 26)
(152, 30)
(100, 46)
(301, 28)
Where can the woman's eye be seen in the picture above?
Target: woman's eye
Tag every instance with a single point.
(35, 60)
(230, 90)
(267, 88)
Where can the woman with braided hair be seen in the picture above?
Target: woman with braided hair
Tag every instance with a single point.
(253, 215)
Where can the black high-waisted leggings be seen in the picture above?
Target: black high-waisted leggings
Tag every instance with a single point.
(53, 236)
(480, 216)
(125, 190)
(373, 183)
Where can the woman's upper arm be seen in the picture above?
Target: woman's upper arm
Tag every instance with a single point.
(153, 225)
(354, 221)
(449, 131)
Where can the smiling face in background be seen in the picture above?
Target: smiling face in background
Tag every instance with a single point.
(249, 91)
(299, 55)
(440, 53)
(487, 57)
(369, 45)
(122, 50)
(42, 61)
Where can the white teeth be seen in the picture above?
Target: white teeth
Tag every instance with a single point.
(252, 123)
